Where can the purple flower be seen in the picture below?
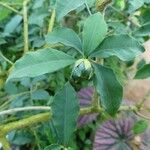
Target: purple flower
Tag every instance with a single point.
(114, 135)
(85, 98)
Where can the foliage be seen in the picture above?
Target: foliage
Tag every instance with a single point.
(51, 51)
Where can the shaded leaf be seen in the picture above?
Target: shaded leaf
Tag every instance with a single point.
(37, 18)
(65, 108)
(40, 95)
(144, 30)
(143, 72)
(94, 31)
(109, 88)
(38, 3)
(53, 147)
(13, 24)
(65, 6)
(134, 5)
(65, 36)
(123, 46)
(40, 62)
(20, 137)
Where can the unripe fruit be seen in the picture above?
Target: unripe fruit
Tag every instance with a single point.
(82, 69)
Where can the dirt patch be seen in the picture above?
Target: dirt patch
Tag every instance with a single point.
(136, 89)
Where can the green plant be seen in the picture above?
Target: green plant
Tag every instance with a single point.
(57, 61)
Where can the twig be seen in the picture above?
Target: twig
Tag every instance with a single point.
(10, 8)
(15, 110)
(6, 59)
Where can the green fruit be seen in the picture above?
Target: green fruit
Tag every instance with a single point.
(82, 69)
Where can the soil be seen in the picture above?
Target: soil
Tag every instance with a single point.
(137, 89)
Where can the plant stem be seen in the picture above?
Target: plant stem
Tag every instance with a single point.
(95, 100)
(88, 9)
(142, 116)
(23, 123)
(11, 111)
(146, 96)
(10, 98)
(51, 21)
(5, 143)
(10, 8)
(6, 59)
(25, 26)
(4, 129)
(91, 109)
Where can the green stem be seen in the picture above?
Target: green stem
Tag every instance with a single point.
(95, 100)
(5, 143)
(6, 128)
(6, 59)
(51, 21)
(88, 9)
(146, 96)
(28, 108)
(25, 26)
(25, 122)
(10, 8)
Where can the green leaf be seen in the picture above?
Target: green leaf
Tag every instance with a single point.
(2, 41)
(38, 4)
(134, 5)
(21, 137)
(144, 30)
(65, 6)
(143, 72)
(5, 12)
(123, 46)
(40, 62)
(53, 147)
(140, 126)
(94, 31)
(144, 16)
(109, 88)
(65, 36)
(13, 24)
(65, 108)
(37, 17)
(40, 95)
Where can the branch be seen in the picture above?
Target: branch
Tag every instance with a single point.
(10, 8)
(11, 111)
